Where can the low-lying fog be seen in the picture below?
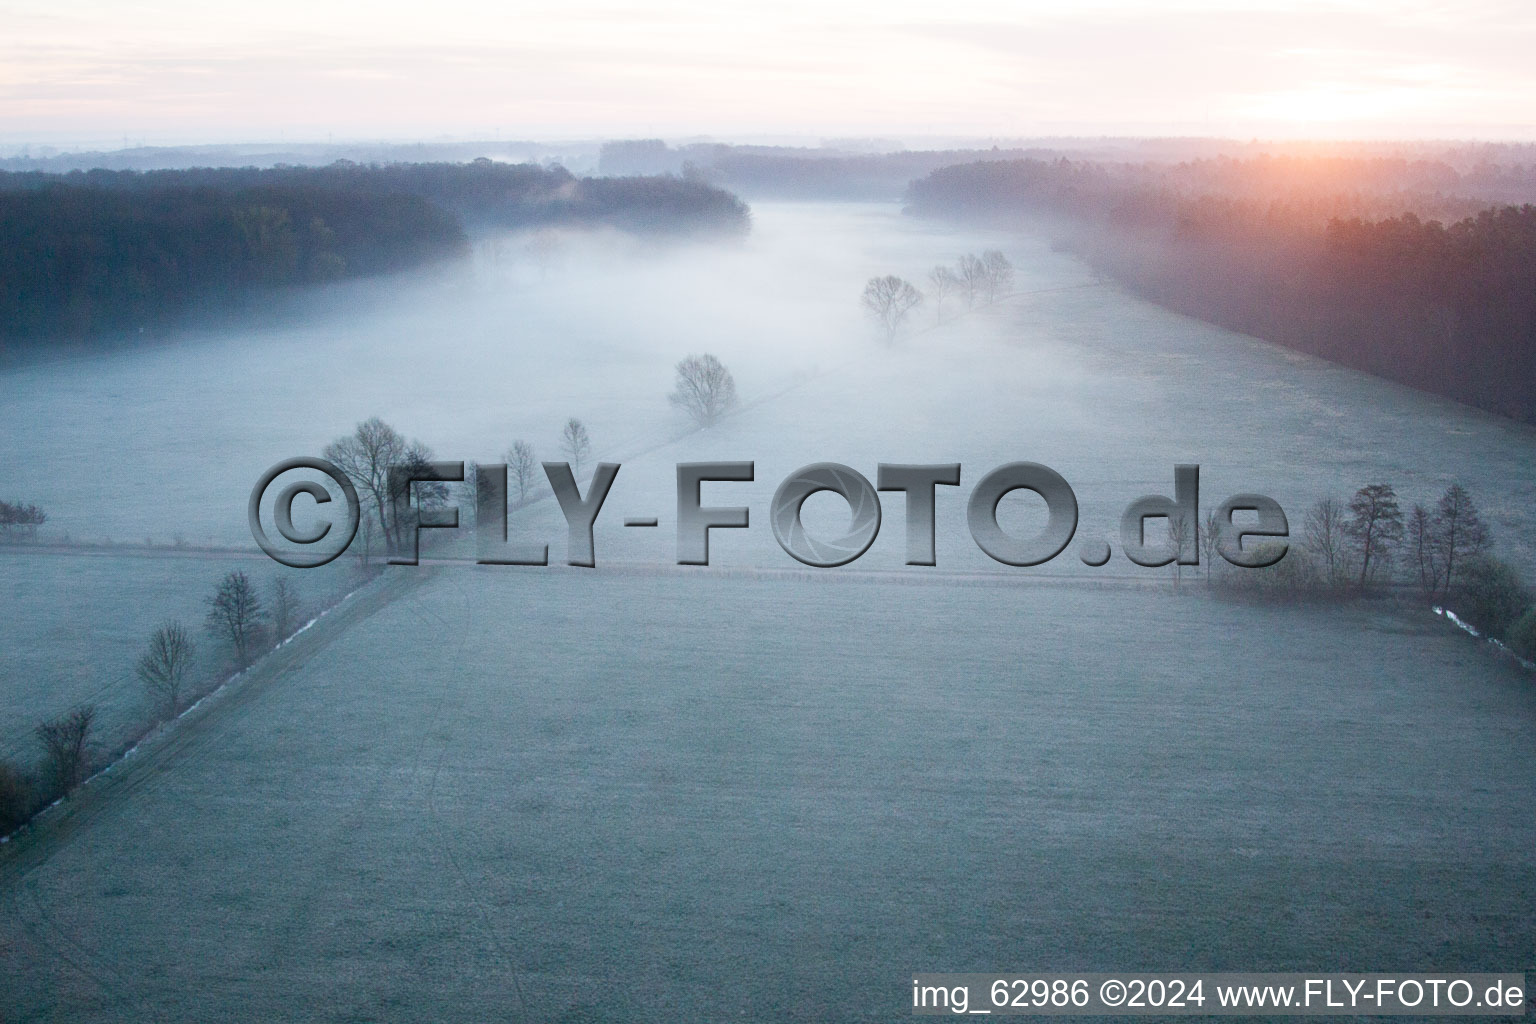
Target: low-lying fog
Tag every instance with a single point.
(1110, 391)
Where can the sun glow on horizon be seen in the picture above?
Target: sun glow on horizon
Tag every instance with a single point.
(191, 72)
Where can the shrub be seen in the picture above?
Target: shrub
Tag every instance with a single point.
(1489, 595)
(1522, 635)
(66, 742)
(1293, 577)
(15, 798)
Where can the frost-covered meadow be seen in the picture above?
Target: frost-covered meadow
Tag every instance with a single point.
(564, 795)
(77, 622)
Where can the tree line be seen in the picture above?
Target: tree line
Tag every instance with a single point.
(95, 253)
(239, 619)
(479, 193)
(245, 621)
(20, 519)
(1336, 260)
(1443, 552)
(374, 454)
(890, 300)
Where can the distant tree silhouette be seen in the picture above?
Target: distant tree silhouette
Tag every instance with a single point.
(522, 467)
(997, 274)
(1181, 536)
(973, 277)
(1421, 541)
(705, 389)
(20, 520)
(576, 443)
(942, 283)
(890, 300)
(285, 607)
(1324, 532)
(1376, 524)
(1459, 533)
(1209, 537)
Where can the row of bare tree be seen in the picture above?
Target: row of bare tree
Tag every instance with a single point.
(238, 616)
(1362, 541)
(1444, 551)
(890, 300)
(1365, 538)
(984, 278)
(704, 389)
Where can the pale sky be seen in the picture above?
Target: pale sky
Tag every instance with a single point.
(176, 71)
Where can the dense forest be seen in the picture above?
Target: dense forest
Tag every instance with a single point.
(1375, 264)
(93, 253)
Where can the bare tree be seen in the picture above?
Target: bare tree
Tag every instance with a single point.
(998, 272)
(1323, 533)
(15, 797)
(1421, 537)
(468, 489)
(890, 300)
(942, 283)
(576, 443)
(1459, 531)
(973, 277)
(522, 465)
(367, 530)
(705, 389)
(366, 455)
(1376, 525)
(285, 607)
(415, 462)
(163, 666)
(1209, 536)
(66, 744)
(1180, 536)
(235, 613)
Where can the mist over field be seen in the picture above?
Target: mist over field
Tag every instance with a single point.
(531, 329)
(1239, 303)
(543, 777)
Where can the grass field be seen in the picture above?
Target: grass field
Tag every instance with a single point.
(755, 792)
(77, 623)
(554, 796)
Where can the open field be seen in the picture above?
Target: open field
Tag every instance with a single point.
(547, 795)
(76, 624)
(646, 793)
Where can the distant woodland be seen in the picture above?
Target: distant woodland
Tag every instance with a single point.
(1485, 173)
(92, 253)
(1379, 264)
